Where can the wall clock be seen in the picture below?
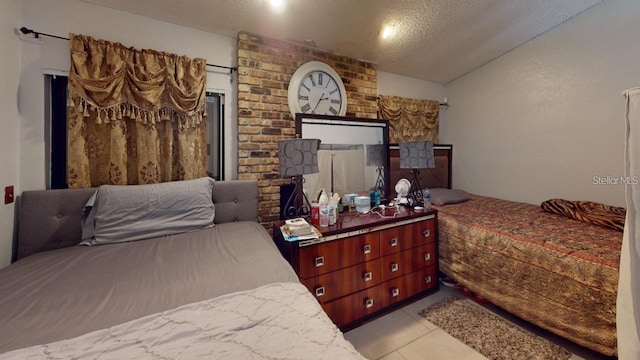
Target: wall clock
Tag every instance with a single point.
(315, 88)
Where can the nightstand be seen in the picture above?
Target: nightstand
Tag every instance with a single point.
(367, 264)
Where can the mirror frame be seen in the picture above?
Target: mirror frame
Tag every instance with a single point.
(349, 121)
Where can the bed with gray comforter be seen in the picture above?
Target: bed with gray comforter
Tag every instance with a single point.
(221, 291)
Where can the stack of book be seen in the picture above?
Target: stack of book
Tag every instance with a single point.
(299, 229)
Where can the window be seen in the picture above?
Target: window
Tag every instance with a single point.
(215, 135)
(56, 132)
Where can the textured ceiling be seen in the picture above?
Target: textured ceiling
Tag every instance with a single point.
(435, 40)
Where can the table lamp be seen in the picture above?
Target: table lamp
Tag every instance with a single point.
(416, 155)
(298, 157)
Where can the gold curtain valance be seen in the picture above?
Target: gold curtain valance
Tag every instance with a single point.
(410, 119)
(146, 85)
(133, 116)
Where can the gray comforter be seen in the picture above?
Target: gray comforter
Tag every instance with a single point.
(274, 321)
(68, 292)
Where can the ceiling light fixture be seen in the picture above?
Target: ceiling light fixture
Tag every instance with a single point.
(278, 5)
(387, 31)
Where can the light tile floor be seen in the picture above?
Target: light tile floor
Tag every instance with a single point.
(405, 335)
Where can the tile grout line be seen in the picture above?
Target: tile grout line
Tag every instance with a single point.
(429, 331)
(407, 344)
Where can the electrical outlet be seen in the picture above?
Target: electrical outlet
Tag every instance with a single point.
(8, 194)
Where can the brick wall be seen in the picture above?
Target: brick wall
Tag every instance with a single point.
(265, 66)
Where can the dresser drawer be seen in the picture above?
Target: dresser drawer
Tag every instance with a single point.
(353, 307)
(395, 265)
(333, 255)
(423, 232)
(390, 240)
(408, 285)
(421, 256)
(329, 286)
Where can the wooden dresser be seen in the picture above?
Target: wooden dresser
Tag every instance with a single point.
(367, 264)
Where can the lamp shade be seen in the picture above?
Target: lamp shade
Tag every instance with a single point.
(417, 155)
(298, 157)
(376, 155)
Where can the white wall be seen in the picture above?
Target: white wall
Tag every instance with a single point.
(544, 119)
(398, 85)
(62, 17)
(10, 121)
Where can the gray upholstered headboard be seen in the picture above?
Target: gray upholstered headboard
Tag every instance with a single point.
(50, 219)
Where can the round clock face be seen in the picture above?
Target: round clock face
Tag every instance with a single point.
(315, 88)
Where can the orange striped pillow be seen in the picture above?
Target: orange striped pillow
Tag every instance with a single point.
(590, 212)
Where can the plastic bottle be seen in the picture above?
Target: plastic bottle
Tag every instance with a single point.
(324, 209)
(315, 213)
(332, 211)
(426, 198)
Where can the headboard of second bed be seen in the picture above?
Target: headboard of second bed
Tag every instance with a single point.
(50, 219)
(438, 177)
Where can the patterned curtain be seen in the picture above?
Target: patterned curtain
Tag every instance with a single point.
(410, 119)
(134, 116)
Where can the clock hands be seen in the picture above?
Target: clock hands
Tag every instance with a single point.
(322, 97)
(318, 103)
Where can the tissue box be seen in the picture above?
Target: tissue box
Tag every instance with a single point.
(363, 204)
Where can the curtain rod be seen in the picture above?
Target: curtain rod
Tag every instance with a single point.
(445, 103)
(37, 35)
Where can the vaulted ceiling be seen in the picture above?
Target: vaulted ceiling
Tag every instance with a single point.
(434, 40)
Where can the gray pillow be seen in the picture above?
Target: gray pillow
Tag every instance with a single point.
(119, 213)
(440, 196)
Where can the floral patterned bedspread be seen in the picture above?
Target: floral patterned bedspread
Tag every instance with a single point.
(558, 273)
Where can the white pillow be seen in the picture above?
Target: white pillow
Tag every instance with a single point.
(119, 213)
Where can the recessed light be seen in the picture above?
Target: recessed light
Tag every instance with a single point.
(278, 5)
(387, 31)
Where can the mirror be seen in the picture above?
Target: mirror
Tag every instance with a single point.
(342, 157)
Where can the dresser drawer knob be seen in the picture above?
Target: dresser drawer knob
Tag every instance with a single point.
(320, 291)
(395, 292)
(319, 261)
(367, 249)
(368, 303)
(394, 241)
(426, 233)
(368, 276)
(427, 256)
(427, 279)
(395, 267)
